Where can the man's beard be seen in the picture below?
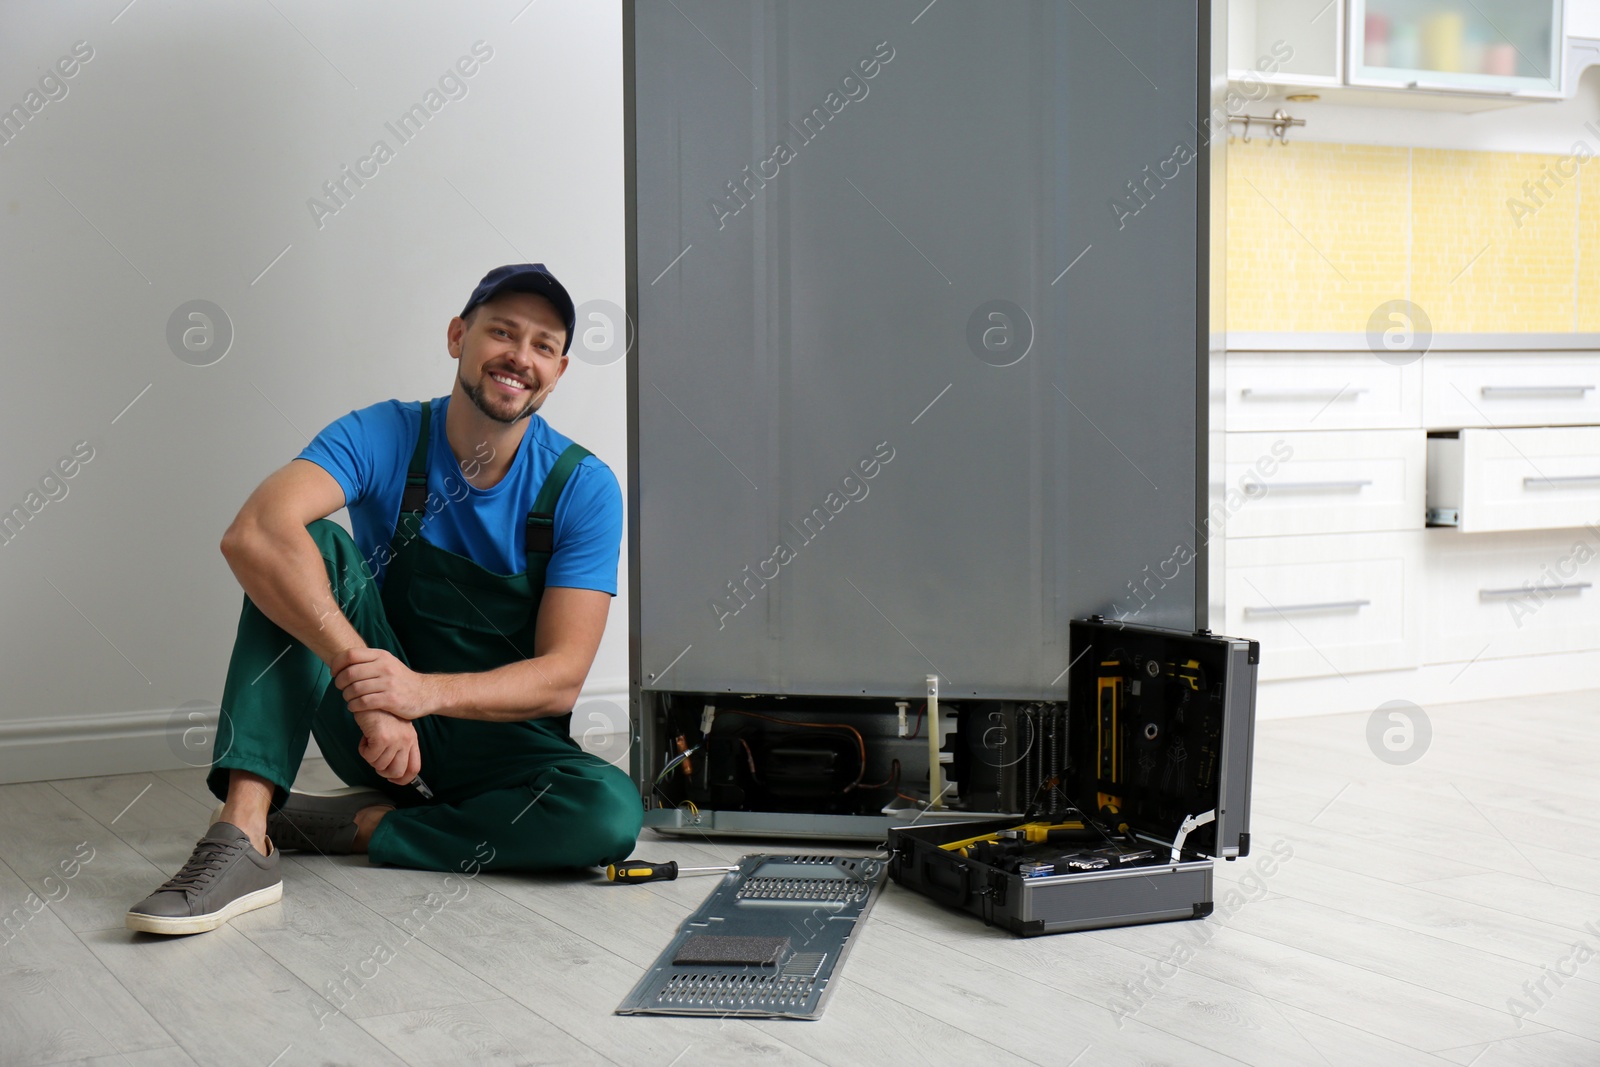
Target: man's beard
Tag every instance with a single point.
(479, 396)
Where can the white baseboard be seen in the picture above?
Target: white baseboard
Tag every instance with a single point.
(83, 746)
(164, 739)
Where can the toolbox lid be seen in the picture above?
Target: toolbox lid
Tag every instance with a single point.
(1161, 728)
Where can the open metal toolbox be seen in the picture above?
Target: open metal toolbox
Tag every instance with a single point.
(1152, 785)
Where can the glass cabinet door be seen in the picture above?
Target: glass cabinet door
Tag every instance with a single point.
(1486, 46)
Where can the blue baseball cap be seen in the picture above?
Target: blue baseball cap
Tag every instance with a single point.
(526, 278)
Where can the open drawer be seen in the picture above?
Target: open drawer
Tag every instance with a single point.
(1520, 479)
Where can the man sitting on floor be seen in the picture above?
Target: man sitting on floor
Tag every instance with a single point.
(456, 627)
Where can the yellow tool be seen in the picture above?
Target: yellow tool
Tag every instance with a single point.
(1034, 833)
(1188, 672)
(645, 871)
(1109, 692)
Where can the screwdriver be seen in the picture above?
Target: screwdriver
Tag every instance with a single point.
(645, 871)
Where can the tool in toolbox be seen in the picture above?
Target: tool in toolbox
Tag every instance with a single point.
(1033, 833)
(645, 871)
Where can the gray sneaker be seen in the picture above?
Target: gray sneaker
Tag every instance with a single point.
(321, 822)
(225, 876)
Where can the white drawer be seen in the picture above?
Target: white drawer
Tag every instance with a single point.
(1522, 479)
(1510, 389)
(1321, 391)
(1327, 605)
(1342, 481)
(1511, 594)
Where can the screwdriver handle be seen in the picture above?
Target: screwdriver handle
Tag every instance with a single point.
(642, 871)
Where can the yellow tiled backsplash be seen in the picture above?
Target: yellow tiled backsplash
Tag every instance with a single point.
(1319, 235)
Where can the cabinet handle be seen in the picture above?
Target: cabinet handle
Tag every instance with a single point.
(1569, 587)
(1489, 392)
(1536, 481)
(1352, 485)
(1332, 605)
(1301, 394)
(1446, 87)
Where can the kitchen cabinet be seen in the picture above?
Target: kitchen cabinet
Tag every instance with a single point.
(1504, 47)
(1297, 42)
(1529, 478)
(1329, 481)
(1324, 605)
(1326, 558)
(1461, 55)
(1510, 594)
(1289, 390)
(1511, 389)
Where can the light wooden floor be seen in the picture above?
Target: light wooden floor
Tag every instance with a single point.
(1416, 903)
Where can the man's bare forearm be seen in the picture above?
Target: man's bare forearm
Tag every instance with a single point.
(282, 572)
(528, 689)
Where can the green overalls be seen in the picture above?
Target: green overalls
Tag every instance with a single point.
(524, 788)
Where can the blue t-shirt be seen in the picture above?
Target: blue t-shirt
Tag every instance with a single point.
(368, 452)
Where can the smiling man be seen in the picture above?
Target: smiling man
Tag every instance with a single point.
(436, 655)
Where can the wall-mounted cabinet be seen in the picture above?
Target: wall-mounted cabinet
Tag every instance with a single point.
(1460, 55)
(1504, 47)
(1286, 42)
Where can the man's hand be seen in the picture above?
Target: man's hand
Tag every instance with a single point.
(390, 745)
(372, 679)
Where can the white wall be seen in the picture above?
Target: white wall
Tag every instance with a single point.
(177, 167)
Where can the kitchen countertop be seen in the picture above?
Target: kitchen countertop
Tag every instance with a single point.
(1307, 341)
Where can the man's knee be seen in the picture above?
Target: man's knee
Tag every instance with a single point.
(331, 538)
(613, 816)
(619, 829)
(348, 573)
(618, 817)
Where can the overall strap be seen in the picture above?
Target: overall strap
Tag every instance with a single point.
(542, 517)
(415, 495)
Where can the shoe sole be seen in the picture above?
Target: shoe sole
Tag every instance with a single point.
(199, 924)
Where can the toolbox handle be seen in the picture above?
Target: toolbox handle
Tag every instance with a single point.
(955, 896)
